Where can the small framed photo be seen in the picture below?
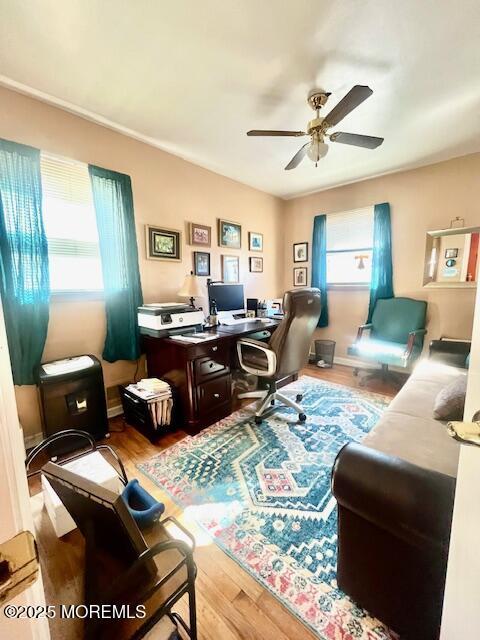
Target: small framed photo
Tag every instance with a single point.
(229, 234)
(200, 234)
(300, 252)
(300, 277)
(230, 269)
(256, 264)
(451, 253)
(201, 263)
(255, 241)
(163, 244)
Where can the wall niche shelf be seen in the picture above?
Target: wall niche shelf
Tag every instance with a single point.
(451, 258)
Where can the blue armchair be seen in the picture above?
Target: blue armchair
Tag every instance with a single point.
(396, 337)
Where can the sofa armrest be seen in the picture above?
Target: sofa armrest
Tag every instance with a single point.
(410, 502)
(453, 352)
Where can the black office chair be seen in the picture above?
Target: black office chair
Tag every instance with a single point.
(286, 352)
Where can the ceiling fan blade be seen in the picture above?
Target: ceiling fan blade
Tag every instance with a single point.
(369, 142)
(267, 132)
(354, 97)
(297, 158)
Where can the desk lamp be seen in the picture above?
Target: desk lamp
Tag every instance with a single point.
(190, 288)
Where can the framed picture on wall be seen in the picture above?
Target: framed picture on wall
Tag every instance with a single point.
(451, 253)
(163, 244)
(201, 263)
(200, 234)
(300, 252)
(256, 265)
(300, 277)
(229, 234)
(255, 241)
(230, 269)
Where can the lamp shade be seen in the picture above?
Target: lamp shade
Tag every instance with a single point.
(190, 287)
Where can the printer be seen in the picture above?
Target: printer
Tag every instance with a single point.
(163, 319)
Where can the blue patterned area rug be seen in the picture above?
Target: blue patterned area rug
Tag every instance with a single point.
(270, 506)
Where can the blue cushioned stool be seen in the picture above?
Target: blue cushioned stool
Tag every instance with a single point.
(144, 508)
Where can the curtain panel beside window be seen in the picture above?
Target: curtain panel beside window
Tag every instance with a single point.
(113, 200)
(24, 275)
(382, 269)
(319, 264)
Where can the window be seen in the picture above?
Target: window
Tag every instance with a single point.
(349, 247)
(70, 226)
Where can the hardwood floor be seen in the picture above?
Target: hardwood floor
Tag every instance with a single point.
(231, 605)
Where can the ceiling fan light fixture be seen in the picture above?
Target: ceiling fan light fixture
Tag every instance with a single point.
(317, 150)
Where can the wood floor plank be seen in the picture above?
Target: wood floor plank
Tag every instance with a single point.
(231, 604)
(290, 625)
(247, 626)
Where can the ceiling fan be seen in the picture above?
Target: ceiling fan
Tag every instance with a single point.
(317, 128)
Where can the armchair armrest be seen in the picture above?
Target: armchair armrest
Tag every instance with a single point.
(261, 347)
(409, 502)
(411, 340)
(362, 328)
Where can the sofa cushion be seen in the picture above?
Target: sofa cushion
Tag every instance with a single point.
(450, 401)
(408, 429)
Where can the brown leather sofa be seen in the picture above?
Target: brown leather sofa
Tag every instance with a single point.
(395, 494)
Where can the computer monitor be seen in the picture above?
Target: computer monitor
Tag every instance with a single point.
(230, 298)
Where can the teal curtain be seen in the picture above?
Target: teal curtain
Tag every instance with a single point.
(319, 264)
(24, 277)
(381, 285)
(112, 196)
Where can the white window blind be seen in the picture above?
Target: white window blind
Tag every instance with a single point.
(70, 225)
(349, 246)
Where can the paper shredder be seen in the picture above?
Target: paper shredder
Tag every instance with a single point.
(72, 396)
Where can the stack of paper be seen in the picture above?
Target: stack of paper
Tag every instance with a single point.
(158, 395)
(151, 389)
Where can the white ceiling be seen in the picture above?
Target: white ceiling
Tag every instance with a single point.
(192, 76)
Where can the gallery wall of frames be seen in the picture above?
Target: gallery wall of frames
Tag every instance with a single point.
(166, 244)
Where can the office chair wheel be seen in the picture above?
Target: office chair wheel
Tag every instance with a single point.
(299, 397)
(302, 417)
(258, 420)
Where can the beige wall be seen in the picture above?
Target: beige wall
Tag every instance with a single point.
(167, 191)
(421, 199)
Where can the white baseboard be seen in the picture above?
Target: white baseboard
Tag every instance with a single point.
(351, 362)
(361, 364)
(117, 410)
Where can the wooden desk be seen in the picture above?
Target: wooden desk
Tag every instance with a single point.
(200, 373)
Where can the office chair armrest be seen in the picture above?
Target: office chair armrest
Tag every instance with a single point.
(270, 355)
(411, 341)
(362, 328)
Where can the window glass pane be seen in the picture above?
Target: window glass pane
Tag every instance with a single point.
(350, 267)
(68, 273)
(70, 225)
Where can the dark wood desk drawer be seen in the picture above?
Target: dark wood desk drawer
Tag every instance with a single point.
(214, 393)
(205, 368)
(216, 349)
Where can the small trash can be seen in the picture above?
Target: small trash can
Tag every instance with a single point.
(324, 353)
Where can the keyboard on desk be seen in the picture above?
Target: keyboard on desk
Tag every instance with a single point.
(229, 322)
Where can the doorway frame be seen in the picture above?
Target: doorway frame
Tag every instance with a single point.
(16, 514)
